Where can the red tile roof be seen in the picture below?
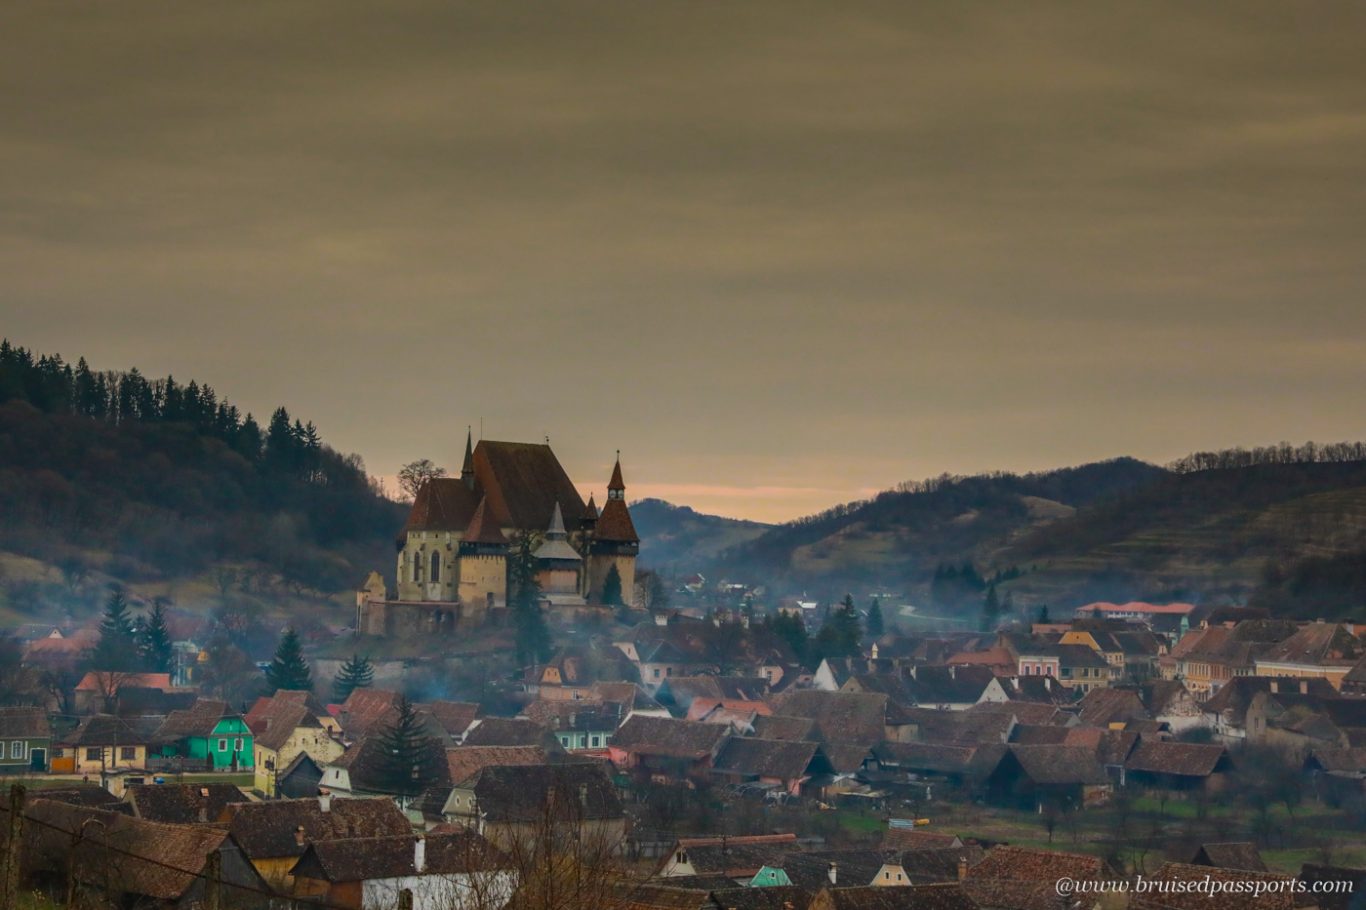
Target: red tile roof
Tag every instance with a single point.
(615, 524)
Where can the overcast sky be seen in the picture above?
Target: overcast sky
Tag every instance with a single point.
(781, 255)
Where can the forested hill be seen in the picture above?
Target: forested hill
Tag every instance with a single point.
(679, 539)
(145, 479)
(902, 535)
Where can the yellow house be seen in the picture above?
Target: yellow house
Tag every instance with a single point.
(1102, 642)
(102, 743)
(285, 725)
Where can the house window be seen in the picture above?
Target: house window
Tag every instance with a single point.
(16, 749)
(94, 754)
(656, 673)
(597, 741)
(222, 745)
(237, 744)
(436, 566)
(128, 753)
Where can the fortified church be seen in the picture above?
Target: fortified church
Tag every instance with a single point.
(453, 550)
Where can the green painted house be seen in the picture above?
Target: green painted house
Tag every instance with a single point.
(208, 735)
(25, 740)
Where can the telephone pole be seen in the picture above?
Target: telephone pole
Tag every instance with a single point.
(9, 887)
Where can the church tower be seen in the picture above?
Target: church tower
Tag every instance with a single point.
(615, 542)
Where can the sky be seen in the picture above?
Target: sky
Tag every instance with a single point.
(781, 255)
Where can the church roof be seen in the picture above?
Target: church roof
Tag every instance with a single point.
(481, 528)
(555, 546)
(616, 483)
(520, 481)
(523, 481)
(443, 504)
(590, 512)
(615, 524)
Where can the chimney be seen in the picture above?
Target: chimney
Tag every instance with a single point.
(1304, 687)
(830, 873)
(420, 854)
(962, 868)
(325, 802)
(299, 836)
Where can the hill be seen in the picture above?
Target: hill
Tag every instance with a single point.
(112, 476)
(1218, 533)
(679, 538)
(900, 537)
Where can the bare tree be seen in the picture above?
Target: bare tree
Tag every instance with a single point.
(414, 474)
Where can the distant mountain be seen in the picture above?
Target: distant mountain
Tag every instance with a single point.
(679, 539)
(898, 538)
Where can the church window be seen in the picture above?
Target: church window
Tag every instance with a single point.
(436, 566)
(417, 569)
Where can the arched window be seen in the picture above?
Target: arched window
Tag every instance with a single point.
(436, 566)
(417, 567)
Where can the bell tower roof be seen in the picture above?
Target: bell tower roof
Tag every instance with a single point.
(467, 468)
(616, 487)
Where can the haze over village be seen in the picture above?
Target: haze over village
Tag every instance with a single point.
(764, 456)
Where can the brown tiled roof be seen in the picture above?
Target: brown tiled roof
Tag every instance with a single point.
(615, 525)
(442, 504)
(911, 839)
(366, 710)
(685, 689)
(108, 730)
(91, 796)
(779, 726)
(655, 896)
(766, 757)
(454, 717)
(182, 804)
(1234, 855)
(1349, 760)
(463, 762)
(1025, 712)
(1319, 644)
(523, 481)
(845, 758)
(582, 791)
(738, 856)
(1028, 864)
(937, 758)
(668, 737)
(377, 858)
(267, 830)
(272, 720)
(1104, 706)
(24, 723)
(167, 848)
(616, 483)
(198, 720)
(841, 717)
(773, 897)
(1352, 887)
(511, 731)
(1283, 898)
(482, 528)
(1182, 759)
(961, 727)
(1060, 765)
(939, 896)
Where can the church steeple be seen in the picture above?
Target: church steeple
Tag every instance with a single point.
(616, 487)
(467, 469)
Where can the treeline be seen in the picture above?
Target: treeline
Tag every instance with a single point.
(1284, 453)
(169, 479)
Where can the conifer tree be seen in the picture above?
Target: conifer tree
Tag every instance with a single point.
(533, 636)
(876, 629)
(117, 650)
(408, 758)
(289, 670)
(154, 640)
(611, 588)
(356, 673)
(841, 633)
(991, 609)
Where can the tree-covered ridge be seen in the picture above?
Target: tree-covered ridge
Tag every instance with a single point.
(143, 478)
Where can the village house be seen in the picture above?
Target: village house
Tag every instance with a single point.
(1178, 766)
(784, 766)
(512, 804)
(1232, 855)
(103, 743)
(577, 725)
(738, 857)
(667, 749)
(1226, 711)
(209, 735)
(285, 726)
(69, 847)
(1009, 877)
(1318, 650)
(1168, 895)
(433, 872)
(25, 740)
(1032, 777)
(99, 690)
(181, 804)
(274, 834)
(1302, 722)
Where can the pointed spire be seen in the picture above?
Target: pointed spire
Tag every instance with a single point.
(556, 529)
(467, 469)
(482, 528)
(616, 487)
(591, 512)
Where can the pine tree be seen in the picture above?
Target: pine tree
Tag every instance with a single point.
(841, 633)
(991, 609)
(154, 641)
(1043, 614)
(875, 625)
(356, 673)
(611, 588)
(533, 635)
(408, 758)
(117, 650)
(289, 670)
